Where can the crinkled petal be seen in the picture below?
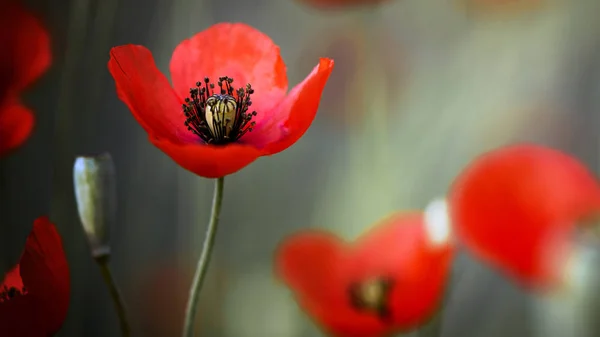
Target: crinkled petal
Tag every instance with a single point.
(235, 50)
(147, 93)
(25, 46)
(294, 115)
(207, 160)
(45, 274)
(16, 123)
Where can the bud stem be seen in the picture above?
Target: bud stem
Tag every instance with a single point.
(204, 260)
(102, 261)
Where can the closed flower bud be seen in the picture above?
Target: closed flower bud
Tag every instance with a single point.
(95, 191)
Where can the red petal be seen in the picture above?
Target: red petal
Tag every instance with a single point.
(17, 318)
(320, 268)
(45, 273)
(209, 161)
(307, 262)
(510, 205)
(12, 279)
(399, 246)
(148, 94)
(16, 123)
(235, 50)
(25, 44)
(295, 114)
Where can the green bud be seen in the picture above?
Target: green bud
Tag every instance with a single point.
(95, 191)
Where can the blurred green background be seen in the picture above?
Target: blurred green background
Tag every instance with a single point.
(419, 88)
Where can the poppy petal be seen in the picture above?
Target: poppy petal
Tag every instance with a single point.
(307, 261)
(25, 44)
(322, 270)
(147, 93)
(207, 160)
(513, 205)
(16, 123)
(45, 273)
(419, 265)
(235, 50)
(295, 114)
(16, 317)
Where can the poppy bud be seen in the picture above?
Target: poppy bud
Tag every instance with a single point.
(95, 191)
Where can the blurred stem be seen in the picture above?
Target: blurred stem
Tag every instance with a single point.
(204, 260)
(102, 261)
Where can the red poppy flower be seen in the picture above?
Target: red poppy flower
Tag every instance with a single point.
(34, 296)
(25, 56)
(335, 4)
(517, 206)
(392, 278)
(220, 129)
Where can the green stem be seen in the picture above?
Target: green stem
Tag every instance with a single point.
(102, 261)
(204, 260)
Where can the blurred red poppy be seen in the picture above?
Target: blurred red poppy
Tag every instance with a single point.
(25, 57)
(34, 296)
(220, 129)
(335, 4)
(517, 207)
(390, 279)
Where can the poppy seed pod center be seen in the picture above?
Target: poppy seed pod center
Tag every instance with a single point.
(219, 115)
(372, 296)
(7, 293)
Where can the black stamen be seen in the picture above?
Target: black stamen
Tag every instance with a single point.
(9, 293)
(372, 296)
(222, 117)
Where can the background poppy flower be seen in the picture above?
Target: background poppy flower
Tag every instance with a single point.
(516, 207)
(34, 296)
(392, 278)
(218, 131)
(25, 56)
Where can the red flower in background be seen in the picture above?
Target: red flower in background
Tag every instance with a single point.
(220, 129)
(34, 296)
(335, 4)
(391, 279)
(25, 56)
(517, 206)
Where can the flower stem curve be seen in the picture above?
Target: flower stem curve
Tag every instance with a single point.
(204, 260)
(118, 301)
